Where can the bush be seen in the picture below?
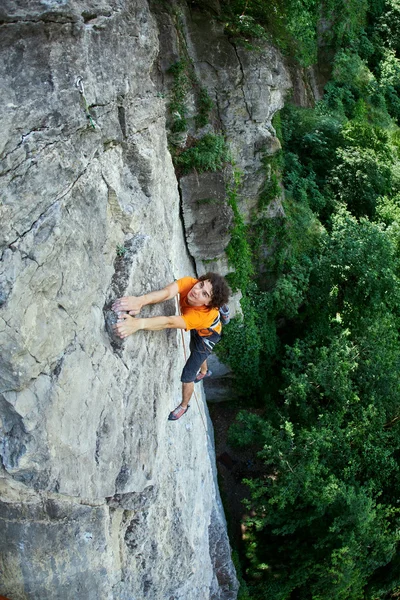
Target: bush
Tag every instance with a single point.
(177, 105)
(209, 153)
(205, 106)
(359, 179)
(271, 189)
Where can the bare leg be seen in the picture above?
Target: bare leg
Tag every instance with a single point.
(187, 391)
(204, 368)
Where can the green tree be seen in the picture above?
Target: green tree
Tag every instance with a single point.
(324, 513)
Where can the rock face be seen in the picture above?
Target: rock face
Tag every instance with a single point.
(100, 496)
(207, 216)
(248, 88)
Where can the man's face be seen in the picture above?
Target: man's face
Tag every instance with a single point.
(200, 294)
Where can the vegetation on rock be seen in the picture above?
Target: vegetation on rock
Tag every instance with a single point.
(318, 349)
(209, 153)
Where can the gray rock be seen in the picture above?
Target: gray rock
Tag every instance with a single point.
(207, 216)
(248, 88)
(100, 496)
(219, 387)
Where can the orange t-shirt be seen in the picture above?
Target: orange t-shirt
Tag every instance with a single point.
(197, 317)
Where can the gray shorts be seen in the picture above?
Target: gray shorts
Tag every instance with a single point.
(200, 349)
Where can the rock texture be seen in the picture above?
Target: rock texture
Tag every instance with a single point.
(207, 216)
(100, 496)
(248, 88)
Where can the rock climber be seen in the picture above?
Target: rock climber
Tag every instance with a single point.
(200, 301)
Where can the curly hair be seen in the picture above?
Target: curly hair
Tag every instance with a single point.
(220, 290)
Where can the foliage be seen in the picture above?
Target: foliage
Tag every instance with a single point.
(205, 106)
(272, 186)
(241, 348)
(243, 593)
(251, 343)
(208, 153)
(177, 105)
(348, 20)
(350, 70)
(185, 82)
(246, 27)
(241, 343)
(327, 501)
(360, 178)
(318, 347)
(121, 250)
(293, 24)
(329, 158)
(388, 25)
(239, 253)
(358, 267)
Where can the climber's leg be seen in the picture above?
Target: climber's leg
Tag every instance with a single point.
(200, 349)
(203, 368)
(187, 391)
(203, 374)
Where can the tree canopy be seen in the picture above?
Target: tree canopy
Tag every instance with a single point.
(319, 356)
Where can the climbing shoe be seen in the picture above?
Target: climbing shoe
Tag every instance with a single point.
(224, 314)
(177, 413)
(201, 376)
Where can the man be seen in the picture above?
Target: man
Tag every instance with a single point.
(200, 300)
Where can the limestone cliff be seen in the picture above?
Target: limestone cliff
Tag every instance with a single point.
(100, 496)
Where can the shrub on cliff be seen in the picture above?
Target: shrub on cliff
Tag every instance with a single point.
(209, 153)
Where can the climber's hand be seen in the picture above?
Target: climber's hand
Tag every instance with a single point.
(130, 304)
(126, 325)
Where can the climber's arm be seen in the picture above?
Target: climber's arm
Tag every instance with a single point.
(127, 325)
(133, 304)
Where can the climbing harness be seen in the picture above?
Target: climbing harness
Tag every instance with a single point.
(81, 90)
